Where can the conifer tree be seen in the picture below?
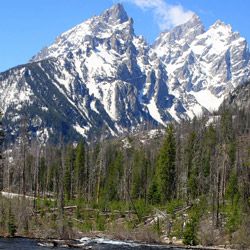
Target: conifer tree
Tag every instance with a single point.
(166, 175)
(139, 175)
(114, 177)
(208, 155)
(154, 196)
(80, 169)
(68, 180)
(42, 175)
(1, 152)
(188, 158)
(11, 223)
(232, 188)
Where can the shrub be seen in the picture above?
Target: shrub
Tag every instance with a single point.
(173, 205)
(100, 222)
(11, 224)
(157, 227)
(233, 219)
(189, 234)
(142, 209)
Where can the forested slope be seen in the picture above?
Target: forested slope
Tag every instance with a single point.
(197, 174)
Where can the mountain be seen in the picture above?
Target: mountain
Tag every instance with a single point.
(203, 66)
(238, 99)
(100, 78)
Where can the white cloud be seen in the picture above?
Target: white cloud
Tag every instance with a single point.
(167, 15)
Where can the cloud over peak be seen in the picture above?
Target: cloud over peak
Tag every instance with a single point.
(166, 15)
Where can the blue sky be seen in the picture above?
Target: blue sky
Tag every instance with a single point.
(26, 26)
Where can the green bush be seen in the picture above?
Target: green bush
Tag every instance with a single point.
(142, 209)
(154, 196)
(173, 205)
(100, 222)
(191, 228)
(233, 219)
(11, 224)
(177, 230)
(190, 233)
(157, 227)
(87, 226)
(118, 205)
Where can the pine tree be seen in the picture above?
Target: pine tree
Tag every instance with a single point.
(80, 169)
(154, 196)
(139, 175)
(232, 188)
(11, 223)
(114, 176)
(208, 149)
(1, 152)
(24, 137)
(42, 174)
(188, 158)
(68, 180)
(166, 175)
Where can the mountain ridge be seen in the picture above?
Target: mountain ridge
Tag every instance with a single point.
(100, 74)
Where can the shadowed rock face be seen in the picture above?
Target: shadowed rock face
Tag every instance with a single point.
(100, 78)
(239, 98)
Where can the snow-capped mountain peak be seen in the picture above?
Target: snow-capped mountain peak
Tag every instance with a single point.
(99, 77)
(184, 33)
(203, 65)
(189, 30)
(220, 23)
(112, 21)
(115, 15)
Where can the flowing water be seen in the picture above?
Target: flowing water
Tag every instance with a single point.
(95, 244)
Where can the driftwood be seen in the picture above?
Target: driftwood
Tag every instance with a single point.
(65, 208)
(90, 210)
(161, 213)
(183, 209)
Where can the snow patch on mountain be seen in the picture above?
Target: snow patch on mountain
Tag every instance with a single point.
(99, 77)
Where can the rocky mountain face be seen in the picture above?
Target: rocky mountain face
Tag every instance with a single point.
(203, 66)
(239, 98)
(100, 78)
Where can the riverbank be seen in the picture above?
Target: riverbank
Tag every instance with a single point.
(166, 226)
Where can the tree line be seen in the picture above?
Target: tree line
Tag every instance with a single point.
(201, 158)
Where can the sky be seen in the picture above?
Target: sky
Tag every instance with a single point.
(27, 26)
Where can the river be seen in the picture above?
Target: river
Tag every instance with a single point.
(95, 244)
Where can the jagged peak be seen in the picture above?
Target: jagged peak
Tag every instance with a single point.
(219, 24)
(195, 19)
(193, 22)
(187, 31)
(101, 26)
(115, 13)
